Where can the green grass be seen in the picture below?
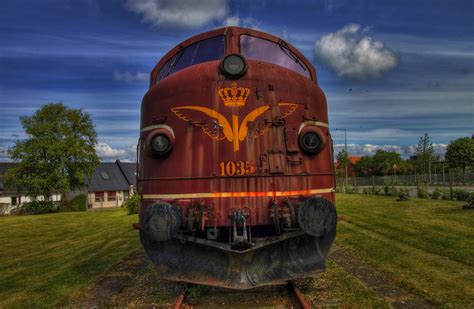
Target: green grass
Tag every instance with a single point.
(44, 258)
(426, 246)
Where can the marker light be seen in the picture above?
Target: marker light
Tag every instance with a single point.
(233, 66)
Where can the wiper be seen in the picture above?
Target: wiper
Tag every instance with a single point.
(173, 64)
(284, 47)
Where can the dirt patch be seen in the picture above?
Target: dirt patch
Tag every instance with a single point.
(116, 279)
(382, 285)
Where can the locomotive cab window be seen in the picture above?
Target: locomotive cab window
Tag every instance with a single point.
(255, 48)
(202, 51)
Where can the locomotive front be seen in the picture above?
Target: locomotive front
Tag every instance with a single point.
(235, 167)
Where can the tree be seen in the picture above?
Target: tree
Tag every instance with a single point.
(385, 161)
(365, 166)
(342, 159)
(424, 153)
(58, 153)
(460, 153)
(342, 163)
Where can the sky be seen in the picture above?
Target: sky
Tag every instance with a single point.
(391, 70)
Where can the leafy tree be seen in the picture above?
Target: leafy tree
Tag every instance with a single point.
(424, 153)
(365, 166)
(342, 162)
(342, 159)
(384, 161)
(460, 153)
(57, 154)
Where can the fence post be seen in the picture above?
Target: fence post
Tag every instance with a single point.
(450, 185)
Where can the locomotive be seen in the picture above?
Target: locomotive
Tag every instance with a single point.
(235, 163)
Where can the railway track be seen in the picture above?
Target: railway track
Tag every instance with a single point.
(294, 299)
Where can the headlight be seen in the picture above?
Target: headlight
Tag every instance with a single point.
(233, 66)
(160, 144)
(312, 140)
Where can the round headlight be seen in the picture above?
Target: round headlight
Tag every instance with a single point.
(160, 144)
(233, 66)
(310, 142)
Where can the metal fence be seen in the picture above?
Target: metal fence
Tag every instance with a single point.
(441, 179)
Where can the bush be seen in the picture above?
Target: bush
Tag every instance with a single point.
(132, 204)
(352, 190)
(40, 207)
(436, 194)
(78, 203)
(461, 195)
(422, 192)
(445, 195)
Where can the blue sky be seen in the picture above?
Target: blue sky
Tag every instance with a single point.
(391, 70)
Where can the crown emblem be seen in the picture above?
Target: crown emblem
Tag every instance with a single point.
(234, 96)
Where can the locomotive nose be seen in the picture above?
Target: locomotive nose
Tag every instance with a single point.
(161, 221)
(317, 217)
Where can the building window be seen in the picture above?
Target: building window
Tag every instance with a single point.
(111, 196)
(99, 196)
(104, 175)
(14, 201)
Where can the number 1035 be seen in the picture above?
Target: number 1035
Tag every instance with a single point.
(236, 168)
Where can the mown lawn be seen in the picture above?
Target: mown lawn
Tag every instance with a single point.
(44, 258)
(425, 246)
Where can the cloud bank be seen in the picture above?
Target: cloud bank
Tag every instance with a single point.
(107, 153)
(370, 149)
(351, 54)
(179, 13)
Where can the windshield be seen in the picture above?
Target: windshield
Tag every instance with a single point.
(260, 49)
(203, 51)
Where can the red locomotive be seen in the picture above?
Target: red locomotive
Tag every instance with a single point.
(235, 166)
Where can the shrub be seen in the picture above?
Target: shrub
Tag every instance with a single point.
(376, 191)
(445, 195)
(132, 204)
(40, 207)
(461, 195)
(351, 190)
(403, 191)
(367, 191)
(78, 203)
(436, 194)
(422, 192)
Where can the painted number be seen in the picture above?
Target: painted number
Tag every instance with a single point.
(236, 168)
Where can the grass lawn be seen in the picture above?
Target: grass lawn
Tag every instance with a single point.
(44, 258)
(425, 246)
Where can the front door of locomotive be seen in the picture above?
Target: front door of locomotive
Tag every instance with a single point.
(236, 151)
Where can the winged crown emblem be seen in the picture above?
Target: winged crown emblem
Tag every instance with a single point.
(221, 128)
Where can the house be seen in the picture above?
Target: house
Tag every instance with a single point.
(352, 161)
(11, 197)
(111, 184)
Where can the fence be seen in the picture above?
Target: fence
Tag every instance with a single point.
(431, 179)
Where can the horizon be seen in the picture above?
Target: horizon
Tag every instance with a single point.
(386, 82)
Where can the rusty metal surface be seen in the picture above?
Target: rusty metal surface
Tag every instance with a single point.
(236, 165)
(294, 258)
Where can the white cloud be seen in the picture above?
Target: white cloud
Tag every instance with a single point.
(107, 153)
(231, 21)
(246, 22)
(131, 77)
(351, 54)
(370, 149)
(179, 13)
